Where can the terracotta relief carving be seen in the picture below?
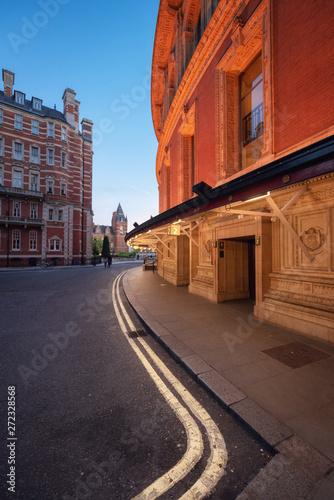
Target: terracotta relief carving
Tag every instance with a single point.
(313, 238)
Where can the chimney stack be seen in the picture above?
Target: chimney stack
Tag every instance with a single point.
(8, 79)
(71, 108)
(87, 128)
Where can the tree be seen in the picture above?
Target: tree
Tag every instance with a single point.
(105, 247)
(97, 246)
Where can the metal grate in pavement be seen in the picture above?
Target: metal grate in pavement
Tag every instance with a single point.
(137, 333)
(296, 354)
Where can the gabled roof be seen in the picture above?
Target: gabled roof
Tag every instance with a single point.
(103, 229)
(45, 112)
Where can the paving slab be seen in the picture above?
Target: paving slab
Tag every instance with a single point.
(221, 387)
(279, 480)
(261, 421)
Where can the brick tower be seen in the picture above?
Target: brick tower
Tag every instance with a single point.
(120, 226)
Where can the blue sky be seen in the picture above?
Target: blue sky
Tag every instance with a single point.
(102, 49)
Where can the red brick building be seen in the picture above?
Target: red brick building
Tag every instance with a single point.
(242, 105)
(45, 180)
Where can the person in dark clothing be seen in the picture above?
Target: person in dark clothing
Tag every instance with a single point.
(109, 260)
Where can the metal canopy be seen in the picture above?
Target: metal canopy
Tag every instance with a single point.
(151, 238)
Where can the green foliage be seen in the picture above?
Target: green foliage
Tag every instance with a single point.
(126, 254)
(97, 246)
(105, 247)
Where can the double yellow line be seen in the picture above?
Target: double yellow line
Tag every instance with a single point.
(217, 460)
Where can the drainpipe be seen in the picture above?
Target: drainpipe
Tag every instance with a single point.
(83, 199)
(8, 230)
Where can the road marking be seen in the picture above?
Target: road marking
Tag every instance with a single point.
(215, 468)
(194, 437)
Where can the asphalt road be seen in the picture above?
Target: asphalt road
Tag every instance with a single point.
(90, 421)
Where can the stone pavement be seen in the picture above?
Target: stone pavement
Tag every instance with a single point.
(222, 345)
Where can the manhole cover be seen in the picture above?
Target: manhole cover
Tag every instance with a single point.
(296, 354)
(137, 333)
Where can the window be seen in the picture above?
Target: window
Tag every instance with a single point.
(55, 245)
(16, 209)
(1, 116)
(50, 213)
(37, 103)
(18, 124)
(33, 210)
(60, 216)
(63, 160)
(18, 150)
(34, 157)
(50, 187)
(19, 97)
(17, 178)
(50, 157)
(1, 146)
(1, 176)
(251, 103)
(34, 182)
(16, 239)
(35, 127)
(32, 240)
(51, 130)
(63, 134)
(63, 189)
(121, 231)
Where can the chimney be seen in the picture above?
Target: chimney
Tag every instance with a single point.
(8, 79)
(71, 108)
(87, 128)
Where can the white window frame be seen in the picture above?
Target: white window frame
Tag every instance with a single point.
(34, 158)
(2, 149)
(17, 181)
(33, 210)
(51, 130)
(37, 103)
(35, 127)
(51, 157)
(63, 159)
(50, 187)
(18, 122)
(55, 244)
(63, 134)
(63, 189)
(19, 97)
(16, 240)
(60, 215)
(1, 116)
(18, 155)
(1, 175)
(16, 209)
(34, 177)
(51, 214)
(32, 241)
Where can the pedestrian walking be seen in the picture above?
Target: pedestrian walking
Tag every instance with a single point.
(109, 260)
(105, 262)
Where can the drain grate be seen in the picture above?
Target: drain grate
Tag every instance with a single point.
(296, 354)
(137, 333)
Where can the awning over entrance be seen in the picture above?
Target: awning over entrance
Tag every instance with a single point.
(231, 197)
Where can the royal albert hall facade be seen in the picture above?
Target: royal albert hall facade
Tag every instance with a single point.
(243, 108)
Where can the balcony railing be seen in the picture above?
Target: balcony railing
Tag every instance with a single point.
(253, 125)
(9, 190)
(21, 221)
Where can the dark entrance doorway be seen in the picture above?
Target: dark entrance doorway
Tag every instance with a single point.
(236, 269)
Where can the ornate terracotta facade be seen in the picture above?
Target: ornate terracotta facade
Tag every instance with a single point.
(241, 104)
